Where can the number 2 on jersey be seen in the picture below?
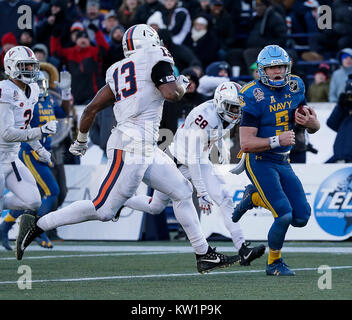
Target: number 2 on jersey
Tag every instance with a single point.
(130, 80)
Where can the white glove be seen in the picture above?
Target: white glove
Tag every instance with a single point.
(205, 203)
(43, 155)
(65, 85)
(78, 148)
(225, 156)
(183, 81)
(49, 128)
(65, 80)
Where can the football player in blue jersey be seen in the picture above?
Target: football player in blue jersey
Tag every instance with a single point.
(266, 137)
(45, 110)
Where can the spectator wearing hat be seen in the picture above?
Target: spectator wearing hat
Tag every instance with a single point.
(55, 19)
(93, 19)
(198, 41)
(84, 61)
(8, 41)
(127, 12)
(318, 91)
(110, 22)
(340, 76)
(216, 73)
(75, 28)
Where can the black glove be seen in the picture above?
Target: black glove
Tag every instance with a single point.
(93, 27)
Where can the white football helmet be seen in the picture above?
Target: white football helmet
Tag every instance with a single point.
(227, 103)
(21, 64)
(139, 36)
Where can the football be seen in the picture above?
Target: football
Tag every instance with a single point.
(303, 109)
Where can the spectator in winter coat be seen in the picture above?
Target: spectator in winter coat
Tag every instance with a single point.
(84, 62)
(177, 20)
(199, 39)
(339, 76)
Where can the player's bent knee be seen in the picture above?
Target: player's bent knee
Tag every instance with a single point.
(302, 220)
(285, 219)
(183, 191)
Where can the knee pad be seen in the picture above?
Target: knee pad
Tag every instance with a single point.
(303, 218)
(184, 191)
(284, 220)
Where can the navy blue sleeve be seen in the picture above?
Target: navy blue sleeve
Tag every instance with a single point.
(249, 120)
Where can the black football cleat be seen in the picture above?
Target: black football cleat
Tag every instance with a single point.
(28, 231)
(249, 254)
(214, 260)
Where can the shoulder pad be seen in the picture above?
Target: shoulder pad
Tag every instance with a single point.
(159, 54)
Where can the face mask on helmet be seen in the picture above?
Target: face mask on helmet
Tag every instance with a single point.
(140, 36)
(230, 112)
(269, 61)
(21, 64)
(227, 103)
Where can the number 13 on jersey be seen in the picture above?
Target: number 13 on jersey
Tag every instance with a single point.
(128, 73)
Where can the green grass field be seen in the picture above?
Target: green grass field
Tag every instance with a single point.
(167, 271)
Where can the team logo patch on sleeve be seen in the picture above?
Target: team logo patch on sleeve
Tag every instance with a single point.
(241, 101)
(293, 85)
(258, 94)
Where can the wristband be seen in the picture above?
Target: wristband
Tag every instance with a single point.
(274, 142)
(82, 137)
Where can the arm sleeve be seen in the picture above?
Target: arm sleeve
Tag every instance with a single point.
(162, 73)
(11, 134)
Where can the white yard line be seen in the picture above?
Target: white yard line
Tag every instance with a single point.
(166, 275)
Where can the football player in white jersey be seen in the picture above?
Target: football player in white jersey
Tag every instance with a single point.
(18, 95)
(137, 86)
(204, 127)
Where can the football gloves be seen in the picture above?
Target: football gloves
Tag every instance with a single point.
(78, 148)
(205, 203)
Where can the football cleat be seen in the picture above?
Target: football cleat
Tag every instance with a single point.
(214, 260)
(117, 215)
(249, 254)
(44, 241)
(278, 268)
(245, 204)
(28, 231)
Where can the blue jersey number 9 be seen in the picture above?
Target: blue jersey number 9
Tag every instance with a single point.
(282, 121)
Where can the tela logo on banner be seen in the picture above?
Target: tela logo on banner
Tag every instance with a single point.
(333, 203)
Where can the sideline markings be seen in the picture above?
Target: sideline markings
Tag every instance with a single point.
(171, 275)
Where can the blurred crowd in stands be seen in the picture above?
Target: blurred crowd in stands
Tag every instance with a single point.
(211, 41)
